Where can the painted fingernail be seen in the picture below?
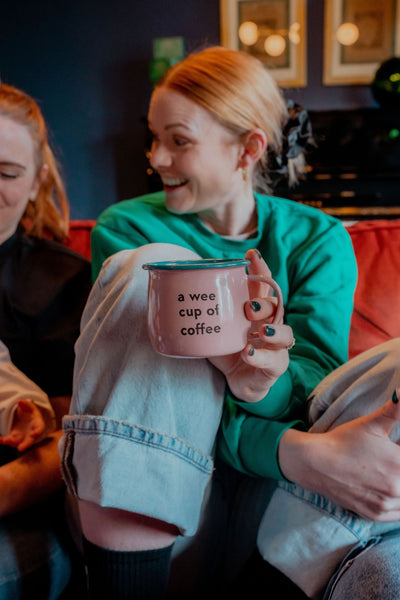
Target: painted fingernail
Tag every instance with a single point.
(258, 253)
(269, 331)
(251, 350)
(395, 397)
(256, 306)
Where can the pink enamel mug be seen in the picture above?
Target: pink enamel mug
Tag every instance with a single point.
(196, 307)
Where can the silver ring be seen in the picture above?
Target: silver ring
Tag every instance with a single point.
(292, 344)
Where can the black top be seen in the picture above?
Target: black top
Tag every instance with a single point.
(43, 290)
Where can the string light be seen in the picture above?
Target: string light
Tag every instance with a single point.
(274, 45)
(294, 33)
(248, 33)
(275, 42)
(347, 34)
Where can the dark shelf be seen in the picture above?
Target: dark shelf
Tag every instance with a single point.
(354, 169)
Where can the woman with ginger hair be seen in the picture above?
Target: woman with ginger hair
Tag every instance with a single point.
(144, 429)
(43, 289)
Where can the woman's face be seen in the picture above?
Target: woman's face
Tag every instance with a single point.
(19, 182)
(196, 157)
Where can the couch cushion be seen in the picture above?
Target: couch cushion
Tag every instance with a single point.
(376, 315)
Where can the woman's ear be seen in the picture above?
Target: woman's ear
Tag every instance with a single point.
(39, 179)
(254, 145)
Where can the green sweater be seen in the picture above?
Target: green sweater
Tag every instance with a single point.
(311, 257)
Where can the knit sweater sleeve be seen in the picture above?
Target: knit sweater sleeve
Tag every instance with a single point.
(107, 239)
(127, 225)
(321, 282)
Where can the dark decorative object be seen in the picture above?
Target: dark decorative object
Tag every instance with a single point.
(296, 139)
(386, 84)
(354, 168)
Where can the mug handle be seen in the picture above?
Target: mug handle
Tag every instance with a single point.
(271, 282)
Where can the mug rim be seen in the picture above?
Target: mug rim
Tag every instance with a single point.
(200, 263)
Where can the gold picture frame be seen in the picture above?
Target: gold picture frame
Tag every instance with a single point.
(375, 27)
(279, 22)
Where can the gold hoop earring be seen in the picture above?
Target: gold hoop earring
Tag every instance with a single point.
(244, 174)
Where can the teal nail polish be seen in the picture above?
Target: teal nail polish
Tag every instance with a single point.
(251, 351)
(395, 397)
(269, 331)
(256, 306)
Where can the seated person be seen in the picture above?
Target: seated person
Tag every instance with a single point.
(143, 429)
(43, 289)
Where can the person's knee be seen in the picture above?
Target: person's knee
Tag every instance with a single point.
(162, 252)
(123, 270)
(374, 573)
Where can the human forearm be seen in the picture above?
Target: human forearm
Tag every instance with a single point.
(295, 455)
(31, 477)
(356, 464)
(250, 444)
(331, 466)
(60, 406)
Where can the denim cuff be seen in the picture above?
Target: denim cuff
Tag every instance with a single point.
(116, 464)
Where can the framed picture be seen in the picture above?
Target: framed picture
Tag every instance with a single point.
(272, 30)
(358, 36)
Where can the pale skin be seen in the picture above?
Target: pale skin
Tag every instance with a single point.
(20, 179)
(28, 425)
(201, 165)
(356, 464)
(35, 474)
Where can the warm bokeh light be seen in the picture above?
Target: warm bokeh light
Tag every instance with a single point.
(248, 33)
(294, 33)
(274, 45)
(347, 34)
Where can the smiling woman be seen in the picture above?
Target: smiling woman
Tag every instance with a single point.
(19, 181)
(140, 443)
(27, 160)
(189, 141)
(43, 289)
(33, 208)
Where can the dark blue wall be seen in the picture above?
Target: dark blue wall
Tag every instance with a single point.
(87, 63)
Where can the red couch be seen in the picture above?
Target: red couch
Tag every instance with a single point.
(376, 316)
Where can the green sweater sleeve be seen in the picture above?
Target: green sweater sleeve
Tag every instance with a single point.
(318, 308)
(133, 223)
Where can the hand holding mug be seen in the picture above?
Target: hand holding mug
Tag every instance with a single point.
(196, 307)
(202, 309)
(251, 373)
